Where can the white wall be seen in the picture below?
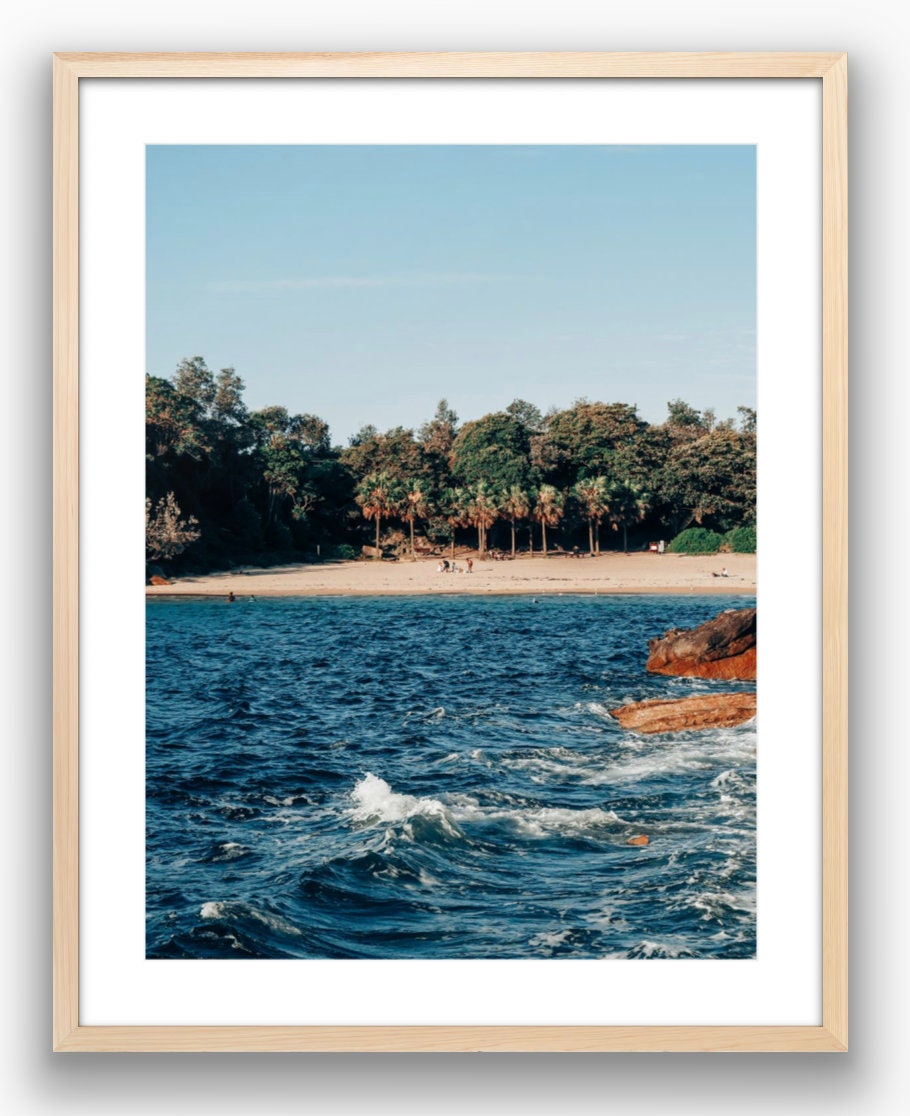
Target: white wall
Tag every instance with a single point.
(866, 1080)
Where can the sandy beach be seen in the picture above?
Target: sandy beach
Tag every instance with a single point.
(610, 573)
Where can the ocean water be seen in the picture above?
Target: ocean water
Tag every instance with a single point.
(407, 777)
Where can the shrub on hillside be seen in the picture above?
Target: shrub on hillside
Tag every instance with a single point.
(696, 540)
(741, 540)
(342, 552)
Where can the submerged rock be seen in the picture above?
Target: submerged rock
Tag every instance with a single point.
(724, 647)
(677, 715)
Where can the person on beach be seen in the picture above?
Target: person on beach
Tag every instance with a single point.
(661, 547)
(470, 565)
(455, 568)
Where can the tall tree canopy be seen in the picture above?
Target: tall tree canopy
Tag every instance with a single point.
(593, 439)
(494, 450)
(227, 484)
(397, 453)
(710, 481)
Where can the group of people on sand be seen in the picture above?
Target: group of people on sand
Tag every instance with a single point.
(445, 566)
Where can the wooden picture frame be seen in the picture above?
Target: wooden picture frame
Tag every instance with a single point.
(68, 1033)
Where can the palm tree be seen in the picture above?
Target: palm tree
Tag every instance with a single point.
(415, 506)
(592, 494)
(482, 511)
(379, 497)
(548, 509)
(517, 505)
(457, 505)
(627, 504)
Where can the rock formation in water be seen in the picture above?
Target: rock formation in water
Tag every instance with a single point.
(677, 715)
(724, 647)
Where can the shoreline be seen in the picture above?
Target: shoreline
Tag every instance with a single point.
(657, 591)
(609, 575)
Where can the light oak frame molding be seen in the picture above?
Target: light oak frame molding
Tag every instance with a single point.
(68, 1034)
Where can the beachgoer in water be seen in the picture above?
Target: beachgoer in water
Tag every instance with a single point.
(230, 597)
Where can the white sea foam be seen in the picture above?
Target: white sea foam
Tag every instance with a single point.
(606, 919)
(426, 714)
(231, 850)
(550, 938)
(554, 761)
(715, 905)
(476, 755)
(375, 801)
(727, 779)
(643, 759)
(646, 949)
(648, 760)
(543, 820)
(223, 910)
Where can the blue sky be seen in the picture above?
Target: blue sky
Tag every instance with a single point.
(362, 284)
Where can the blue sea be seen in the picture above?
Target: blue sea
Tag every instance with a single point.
(408, 777)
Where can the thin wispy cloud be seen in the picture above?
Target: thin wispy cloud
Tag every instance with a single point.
(342, 282)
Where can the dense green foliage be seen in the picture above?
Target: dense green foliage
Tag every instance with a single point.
(741, 540)
(696, 540)
(226, 485)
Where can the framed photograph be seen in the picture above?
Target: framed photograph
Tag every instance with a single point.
(428, 429)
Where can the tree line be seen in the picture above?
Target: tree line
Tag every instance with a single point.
(227, 484)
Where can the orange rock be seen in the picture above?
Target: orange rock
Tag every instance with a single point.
(641, 839)
(677, 715)
(724, 647)
(740, 667)
(156, 580)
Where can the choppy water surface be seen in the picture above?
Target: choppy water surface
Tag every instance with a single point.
(409, 777)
